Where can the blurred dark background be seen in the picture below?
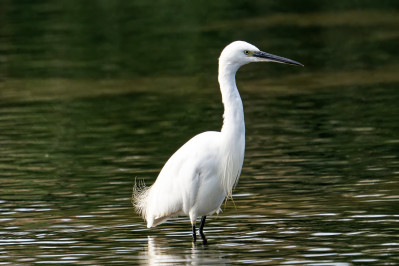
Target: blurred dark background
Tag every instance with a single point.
(124, 39)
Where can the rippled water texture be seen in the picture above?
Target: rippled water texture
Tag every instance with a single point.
(96, 97)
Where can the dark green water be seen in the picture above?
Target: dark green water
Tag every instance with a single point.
(94, 96)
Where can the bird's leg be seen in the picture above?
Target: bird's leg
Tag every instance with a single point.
(201, 230)
(203, 218)
(194, 234)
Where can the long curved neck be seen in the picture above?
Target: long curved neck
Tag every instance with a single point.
(233, 117)
(233, 130)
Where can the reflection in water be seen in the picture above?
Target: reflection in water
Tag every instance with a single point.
(160, 252)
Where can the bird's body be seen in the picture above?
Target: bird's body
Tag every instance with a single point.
(196, 174)
(203, 172)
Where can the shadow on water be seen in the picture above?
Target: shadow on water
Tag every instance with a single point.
(92, 98)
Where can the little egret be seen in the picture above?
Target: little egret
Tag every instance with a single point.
(203, 172)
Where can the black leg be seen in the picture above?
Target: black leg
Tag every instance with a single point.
(194, 234)
(201, 230)
(203, 218)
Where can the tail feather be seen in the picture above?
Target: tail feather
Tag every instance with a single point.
(139, 198)
(153, 206)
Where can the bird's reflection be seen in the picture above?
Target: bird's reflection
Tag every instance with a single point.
(162, 252)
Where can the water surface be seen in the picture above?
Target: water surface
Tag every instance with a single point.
(95, 97)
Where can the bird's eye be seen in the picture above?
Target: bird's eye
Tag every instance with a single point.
(246, 52)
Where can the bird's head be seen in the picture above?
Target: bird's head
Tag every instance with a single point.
(241, 53)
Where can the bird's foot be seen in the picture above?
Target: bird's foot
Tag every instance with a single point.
(204, 241)
(201, 230)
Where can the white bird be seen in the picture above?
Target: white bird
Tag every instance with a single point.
(203, 172)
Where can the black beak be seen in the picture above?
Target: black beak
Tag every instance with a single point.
(275, 58)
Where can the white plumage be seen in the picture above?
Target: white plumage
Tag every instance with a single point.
(203, 172)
